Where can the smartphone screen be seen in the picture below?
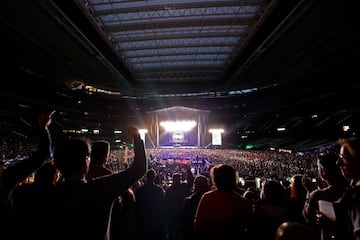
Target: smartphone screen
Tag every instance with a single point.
(327, 208)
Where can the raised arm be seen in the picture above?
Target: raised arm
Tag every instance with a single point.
(14, 174)
(139, 166)
(117, 183)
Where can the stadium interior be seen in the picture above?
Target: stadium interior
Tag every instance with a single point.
(270, 73)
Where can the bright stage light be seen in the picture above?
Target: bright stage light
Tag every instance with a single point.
(142, 133)
(346, 128)
(216, 135)
(216, 130)
(183, 126)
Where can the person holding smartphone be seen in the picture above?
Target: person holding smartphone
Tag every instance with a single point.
(348, 209)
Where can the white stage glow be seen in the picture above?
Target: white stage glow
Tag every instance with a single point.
(216, 130)
(183, 126)
(142, 133)
(216, 136)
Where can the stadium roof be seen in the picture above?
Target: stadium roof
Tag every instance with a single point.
(256, 65)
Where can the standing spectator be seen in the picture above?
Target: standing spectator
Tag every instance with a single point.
(122, 219)
(270, 210)
(348, 207)
(295, 231)
(174, 200)
(12, 175)
(150, 209)
(83, 208)
(33, 203)
(251, 195)
(100, 151)
(297, 199)
(200, 186)
(336, 183)
(222, 212)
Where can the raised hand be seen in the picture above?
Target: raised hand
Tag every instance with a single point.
(45, 119)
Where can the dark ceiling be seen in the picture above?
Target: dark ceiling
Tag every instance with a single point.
(255, 65)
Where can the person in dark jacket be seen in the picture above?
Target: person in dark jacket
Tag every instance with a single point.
(200, 186)
(83, 208)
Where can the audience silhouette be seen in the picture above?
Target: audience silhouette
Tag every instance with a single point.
(347, 208)
(335, 187)
(271, 209)
(33, 203)
(12, 175)
(200, 186)
(91, 201)
(150, 209)
(174, 200)
(222, 213)
(295, 231)
(100, 151)
(84, 208)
